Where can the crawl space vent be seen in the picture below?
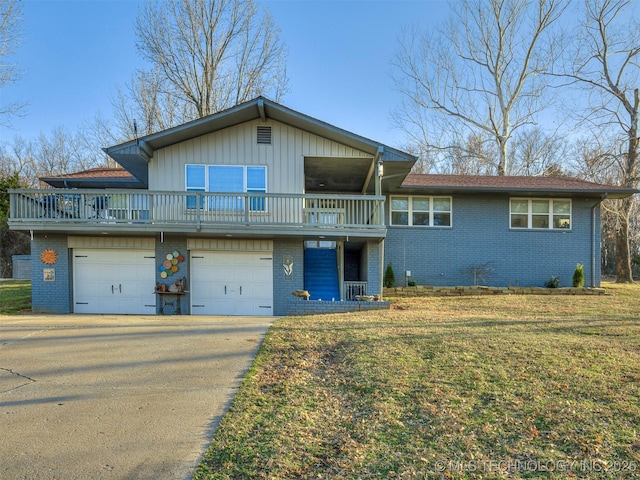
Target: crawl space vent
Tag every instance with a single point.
(264, 135)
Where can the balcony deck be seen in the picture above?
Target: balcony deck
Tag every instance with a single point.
(140, 212)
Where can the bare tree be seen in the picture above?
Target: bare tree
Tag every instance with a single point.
(205, 56)
(535, 152)
(598, 160)
(145, 105)
(16, 159)
(480, 74)
(58, 153)
(11, 243)
(471, 156)
(10, 37)
(465, 156)
(606, 65)
(95, 134)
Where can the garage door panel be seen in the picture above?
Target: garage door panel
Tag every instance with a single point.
(259, 291)
(231, 283)
(114, 281)
(134, 289)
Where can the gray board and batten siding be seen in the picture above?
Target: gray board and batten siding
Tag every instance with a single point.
(237, 145)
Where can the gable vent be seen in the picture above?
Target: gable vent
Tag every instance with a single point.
(264, 135)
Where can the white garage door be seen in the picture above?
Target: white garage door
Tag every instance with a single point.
(114, 281)
(231, 283)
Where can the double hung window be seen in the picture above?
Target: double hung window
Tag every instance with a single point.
(227, 179)
(540, 213)
(421, 211)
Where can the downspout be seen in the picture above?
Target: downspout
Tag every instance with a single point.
(377, 160)
(593, 239)
(379, 173)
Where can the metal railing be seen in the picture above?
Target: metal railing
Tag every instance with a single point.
(136, 207)
(353, 289)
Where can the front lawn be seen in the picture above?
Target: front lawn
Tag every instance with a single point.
(464, 387)
(15, 296)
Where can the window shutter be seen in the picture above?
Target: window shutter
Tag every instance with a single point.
(264, 135)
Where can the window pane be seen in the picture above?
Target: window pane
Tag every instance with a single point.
(442, 204)
(191, 200)
(195, 177)
(561, 206)
(519, 221)
(421, 204)
(540, 206)
(257, 203)
(540, 221)
(561, 221)
(226, 179)
(442, 219)
(401, 203)
(118, 201)
(226, 202)
(421, 218)
(519, 206)
(400, 218)
(139, 201)
(256, 179)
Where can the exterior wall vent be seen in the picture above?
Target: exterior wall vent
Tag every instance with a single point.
(264, 135)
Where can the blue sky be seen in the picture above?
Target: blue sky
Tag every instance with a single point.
(75, 53)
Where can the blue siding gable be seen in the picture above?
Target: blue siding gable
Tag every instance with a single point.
(481, 233)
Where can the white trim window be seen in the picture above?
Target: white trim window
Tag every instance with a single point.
(540, 213)
(226, 179)
(422, 211)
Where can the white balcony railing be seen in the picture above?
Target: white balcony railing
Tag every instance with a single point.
(199, 210)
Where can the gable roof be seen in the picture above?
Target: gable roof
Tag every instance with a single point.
(135, 154)
(106, 177)
(517, 185)
(101, 177)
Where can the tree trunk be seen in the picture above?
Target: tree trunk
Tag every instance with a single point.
(623, 260)
(623, 257)
(502, 166)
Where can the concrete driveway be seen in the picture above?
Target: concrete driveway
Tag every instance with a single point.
(115, 397)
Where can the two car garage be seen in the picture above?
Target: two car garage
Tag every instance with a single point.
(225, 277)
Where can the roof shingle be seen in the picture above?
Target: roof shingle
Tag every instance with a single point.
(509, 183)
(100, 172)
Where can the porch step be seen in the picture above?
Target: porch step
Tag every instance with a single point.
(321, 274)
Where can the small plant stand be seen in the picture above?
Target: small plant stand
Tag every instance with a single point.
(171, 299)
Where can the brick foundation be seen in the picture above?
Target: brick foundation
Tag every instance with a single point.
(430, 291)
(314, 307)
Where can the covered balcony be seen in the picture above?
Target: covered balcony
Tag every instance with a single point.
(139, 211)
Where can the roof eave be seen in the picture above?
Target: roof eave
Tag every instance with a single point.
(99, 183)
(134, 155)
(604, 193)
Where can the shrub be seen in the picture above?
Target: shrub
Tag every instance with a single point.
(554, 282)
(578, 275)
(412, 283)
(389, 277)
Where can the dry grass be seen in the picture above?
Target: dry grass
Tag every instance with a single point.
(467, 387)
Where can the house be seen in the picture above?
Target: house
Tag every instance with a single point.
(232, 213)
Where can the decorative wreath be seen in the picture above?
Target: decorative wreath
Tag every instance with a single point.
(49, 256)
